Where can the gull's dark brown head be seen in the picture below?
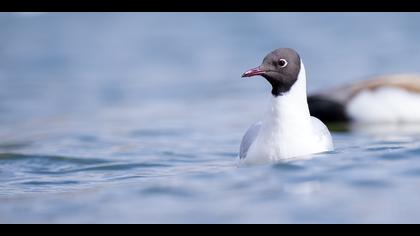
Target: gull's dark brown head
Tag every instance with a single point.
(280, 67)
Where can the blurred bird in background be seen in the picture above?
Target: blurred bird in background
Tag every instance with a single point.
(391, 99)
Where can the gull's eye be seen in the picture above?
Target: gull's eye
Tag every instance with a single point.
(282, 63)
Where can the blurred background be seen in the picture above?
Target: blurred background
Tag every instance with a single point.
(59, 63)
(88, 100)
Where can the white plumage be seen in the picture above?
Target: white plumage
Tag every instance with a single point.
(385, 105)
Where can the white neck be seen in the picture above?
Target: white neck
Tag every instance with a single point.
(291, 107)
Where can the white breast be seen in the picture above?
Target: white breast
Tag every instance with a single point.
(271, 146)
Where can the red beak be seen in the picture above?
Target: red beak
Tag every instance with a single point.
(253, 72)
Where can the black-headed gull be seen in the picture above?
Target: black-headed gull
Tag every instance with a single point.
(287, 130)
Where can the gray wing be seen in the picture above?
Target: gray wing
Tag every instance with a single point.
(324, 134)
(248, 139)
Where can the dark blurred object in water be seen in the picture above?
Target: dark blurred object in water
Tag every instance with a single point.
(380, 99)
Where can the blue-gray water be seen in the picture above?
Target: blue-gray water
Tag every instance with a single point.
(137, 118)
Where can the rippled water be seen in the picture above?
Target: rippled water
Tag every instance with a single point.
(137, 118)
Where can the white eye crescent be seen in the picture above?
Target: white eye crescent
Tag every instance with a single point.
(282, 63)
